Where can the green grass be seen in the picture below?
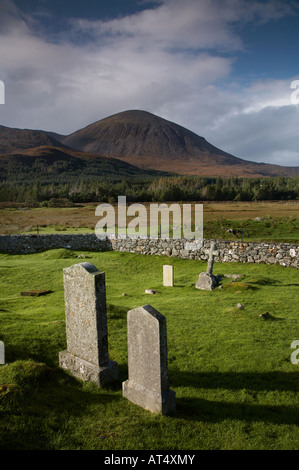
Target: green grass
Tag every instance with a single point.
(56, 229)
(268, 229)
(279, 220)
(235, 385)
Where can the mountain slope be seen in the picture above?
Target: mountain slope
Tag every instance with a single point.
(138, 138)
(148, 141)
(142, 134)
(14, 140)
(55, 164)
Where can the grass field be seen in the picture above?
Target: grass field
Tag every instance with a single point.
(280, 220)
(235, 385)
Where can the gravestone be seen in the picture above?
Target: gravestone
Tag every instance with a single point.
(86, 356)
(167, 275)
(207, 281)
(147, 385)
(2, 353)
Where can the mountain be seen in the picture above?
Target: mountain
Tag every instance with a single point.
(150, 142)
(51, 164)
(14, 140)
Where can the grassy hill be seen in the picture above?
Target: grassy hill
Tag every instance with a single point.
(48, 164)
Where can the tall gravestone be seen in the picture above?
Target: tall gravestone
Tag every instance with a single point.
(167, 275)
(147, 385)
(86, 356)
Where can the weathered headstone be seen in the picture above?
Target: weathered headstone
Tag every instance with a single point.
(207, 281)
(147, 385)
(86, 356)
(2, 353)
(167, 275)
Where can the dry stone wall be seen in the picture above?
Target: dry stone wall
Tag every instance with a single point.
(285, 254)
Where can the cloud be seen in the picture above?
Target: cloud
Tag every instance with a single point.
(173, 24)
(268, 135)
(125, 66)
(174, 60)
(262, 125)
(193, 24)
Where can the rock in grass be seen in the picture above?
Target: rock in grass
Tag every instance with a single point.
(234, 277)
(240, 306)
(150, 291)
(206, 281)
(265, 315)
(36, 293)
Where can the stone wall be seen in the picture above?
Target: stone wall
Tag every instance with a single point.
(26, 244)
(270, 253)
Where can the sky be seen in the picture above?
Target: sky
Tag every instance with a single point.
(227, 70)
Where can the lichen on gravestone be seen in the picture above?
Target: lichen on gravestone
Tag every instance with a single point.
(86, 356)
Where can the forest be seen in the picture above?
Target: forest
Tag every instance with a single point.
(161, 189)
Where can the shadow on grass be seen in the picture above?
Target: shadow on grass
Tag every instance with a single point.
(265, 281)
(57, 401)
(116, 312)
(269, 282)
(195, 409)
(268, 381)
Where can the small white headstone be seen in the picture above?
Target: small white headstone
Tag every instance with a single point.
(167, 275)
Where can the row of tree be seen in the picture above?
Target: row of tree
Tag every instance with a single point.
(181, 188)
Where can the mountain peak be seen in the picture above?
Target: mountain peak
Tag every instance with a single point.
(146, 141)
